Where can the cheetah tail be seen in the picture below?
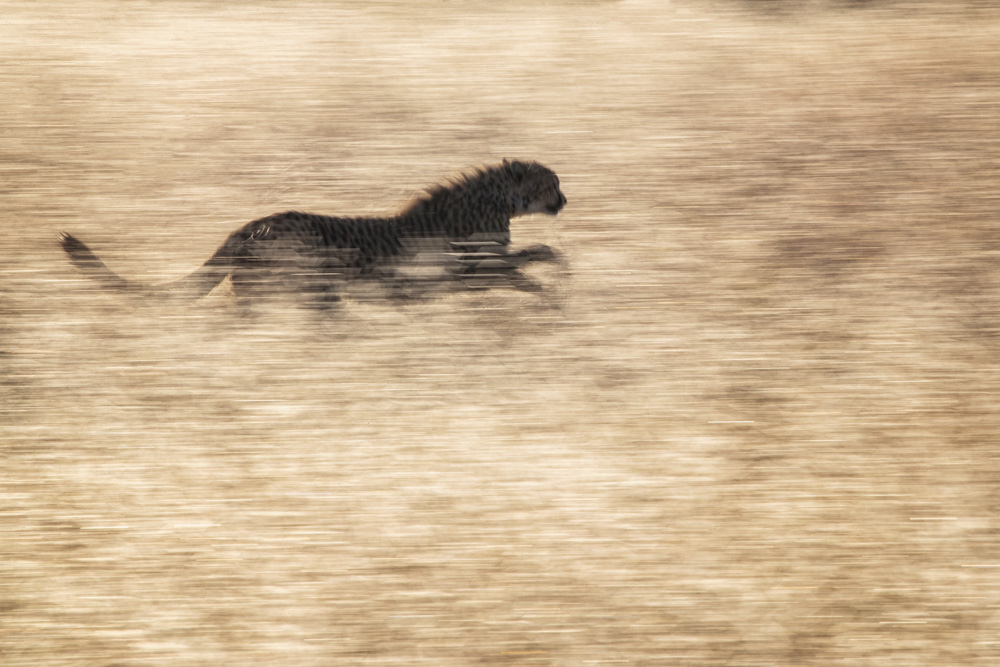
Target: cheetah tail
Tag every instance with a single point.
(88, 263)
(194, 286)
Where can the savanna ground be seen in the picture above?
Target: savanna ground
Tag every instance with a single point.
(753, 420)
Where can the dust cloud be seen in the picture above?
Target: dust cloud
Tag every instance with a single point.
(752, 421)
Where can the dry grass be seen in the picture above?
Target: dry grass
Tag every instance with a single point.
(754, 422)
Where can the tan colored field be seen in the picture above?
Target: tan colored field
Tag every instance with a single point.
(754, 421)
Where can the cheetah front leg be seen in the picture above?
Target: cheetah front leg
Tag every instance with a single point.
(533, 253)
(481, 265)
(471, 252)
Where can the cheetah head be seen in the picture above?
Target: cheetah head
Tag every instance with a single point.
(535, 188)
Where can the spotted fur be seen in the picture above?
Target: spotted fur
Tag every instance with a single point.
(466, 221)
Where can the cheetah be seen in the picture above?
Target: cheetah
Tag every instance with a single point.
(466, 222)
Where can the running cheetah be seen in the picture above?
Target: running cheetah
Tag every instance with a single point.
(466, 221)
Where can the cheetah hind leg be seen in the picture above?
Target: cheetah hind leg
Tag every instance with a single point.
(250, 287)
(281, 286)
(323, 284)
(406, 285)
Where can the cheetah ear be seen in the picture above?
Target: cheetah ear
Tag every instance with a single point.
(516, 170)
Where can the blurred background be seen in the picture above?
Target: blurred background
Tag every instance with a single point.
(752, 421)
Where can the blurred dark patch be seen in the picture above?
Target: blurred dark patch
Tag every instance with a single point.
(829, 255)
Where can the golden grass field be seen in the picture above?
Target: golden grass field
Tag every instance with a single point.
(752, 421)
